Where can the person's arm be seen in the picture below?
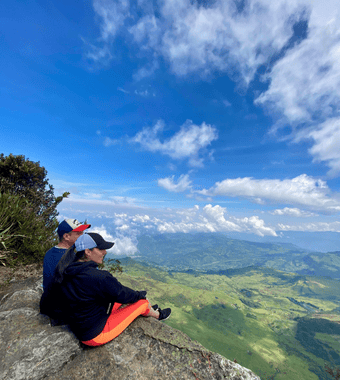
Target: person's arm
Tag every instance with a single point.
(114, 290)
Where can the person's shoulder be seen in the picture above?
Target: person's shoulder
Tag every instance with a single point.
(53, 254)
(100, 273)
(56, 249)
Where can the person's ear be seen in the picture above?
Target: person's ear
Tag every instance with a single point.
(87, 253)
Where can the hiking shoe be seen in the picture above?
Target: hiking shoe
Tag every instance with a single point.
(164, 314)
(155, 307)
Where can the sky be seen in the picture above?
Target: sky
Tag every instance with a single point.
(176, 115)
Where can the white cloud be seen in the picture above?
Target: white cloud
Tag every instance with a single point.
(132, 221)
(109, 142)
(143, 93)
(326, 139)
(296, 212)
(304, 86)
(93, 195)
(124, 245)
(216, 216)
(248, 224)
(255, 225)
(122, 90)
(302, 190)
(97, 54)
(123, 200)
(211, 219)
(201, 39)
(188, 143)
(141, 218)
(123, 228)
(112, 14)
(116, 202)
(311, 227)
(182, 184)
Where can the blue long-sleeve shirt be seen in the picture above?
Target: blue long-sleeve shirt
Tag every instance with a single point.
(51, 260)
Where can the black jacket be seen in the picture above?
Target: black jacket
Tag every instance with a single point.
(83, 298)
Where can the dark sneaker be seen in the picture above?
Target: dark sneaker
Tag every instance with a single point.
(164, 314)
(155, 307)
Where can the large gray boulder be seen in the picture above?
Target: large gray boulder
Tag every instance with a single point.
(30, 348)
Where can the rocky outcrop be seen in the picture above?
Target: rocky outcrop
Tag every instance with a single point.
(30, 348)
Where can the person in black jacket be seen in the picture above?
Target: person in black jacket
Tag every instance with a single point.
(95, 305)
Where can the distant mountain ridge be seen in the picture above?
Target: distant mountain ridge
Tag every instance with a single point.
(215, 252)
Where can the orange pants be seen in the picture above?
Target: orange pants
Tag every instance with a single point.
(119, 320)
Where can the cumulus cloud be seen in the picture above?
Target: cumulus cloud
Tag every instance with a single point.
(182, 184)
(141, 218)
(292, 212)
(302, 190)
(124, 245)
(209, 219)
(188, 143)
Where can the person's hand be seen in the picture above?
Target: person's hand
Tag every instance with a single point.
(142, 295)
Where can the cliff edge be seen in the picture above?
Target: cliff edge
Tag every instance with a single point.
(30, 348)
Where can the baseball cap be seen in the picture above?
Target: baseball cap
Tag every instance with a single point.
(92, 240)
(69, 225)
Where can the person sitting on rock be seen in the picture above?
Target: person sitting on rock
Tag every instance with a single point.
(95, 305)
(68, 231)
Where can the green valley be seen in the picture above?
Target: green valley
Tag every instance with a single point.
(282, 326)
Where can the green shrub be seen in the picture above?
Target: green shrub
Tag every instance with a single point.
(26, 178)
(24, 236)
(28, 211)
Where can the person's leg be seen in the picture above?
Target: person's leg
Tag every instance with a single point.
(153, 313)
(120, 318)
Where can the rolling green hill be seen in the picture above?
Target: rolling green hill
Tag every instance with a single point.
(282, 326)
(213, 253)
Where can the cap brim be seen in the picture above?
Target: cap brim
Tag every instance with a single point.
(83, 227)
(105, 245)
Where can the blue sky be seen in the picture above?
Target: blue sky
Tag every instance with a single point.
(176, 115)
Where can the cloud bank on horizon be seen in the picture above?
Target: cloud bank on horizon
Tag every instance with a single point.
(181, 115)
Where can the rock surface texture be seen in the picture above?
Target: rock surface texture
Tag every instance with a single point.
(30, 348)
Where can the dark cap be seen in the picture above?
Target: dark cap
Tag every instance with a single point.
(92, 240)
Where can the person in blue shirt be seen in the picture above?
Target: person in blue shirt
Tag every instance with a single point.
(68, 231)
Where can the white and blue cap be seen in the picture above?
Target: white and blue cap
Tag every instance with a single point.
(92, 240)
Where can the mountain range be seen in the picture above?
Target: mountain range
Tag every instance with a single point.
(215, 253)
